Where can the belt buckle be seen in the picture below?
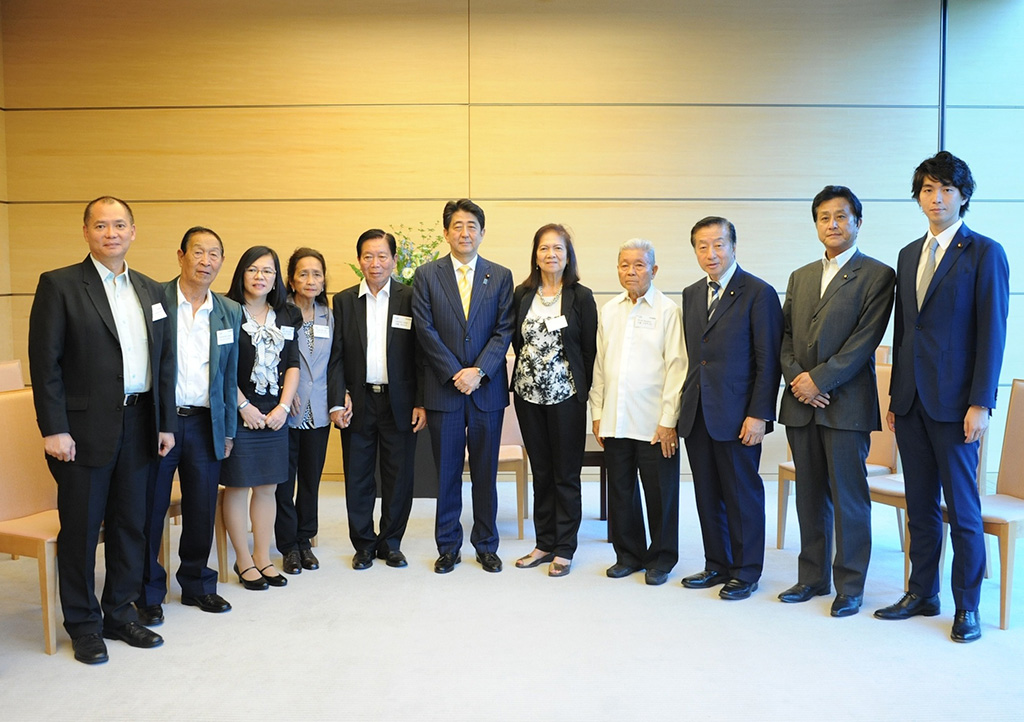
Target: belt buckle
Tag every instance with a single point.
(131, 399)
(377, 388)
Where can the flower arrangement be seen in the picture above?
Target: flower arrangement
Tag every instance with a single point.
(411, 254)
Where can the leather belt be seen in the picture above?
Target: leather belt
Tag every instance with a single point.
(192, 410)
(135, 399)
(377, 388)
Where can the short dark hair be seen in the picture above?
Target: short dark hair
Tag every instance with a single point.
(571, 274)
(106, 199)
(947, 169)
(829, 192)
(277, 297)
(373, 234)
(297, 255)
(199, 229)
(712, 221)
(463, 204)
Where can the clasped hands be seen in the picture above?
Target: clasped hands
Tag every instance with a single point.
(807, 392)
(467, 380)
(252, 418)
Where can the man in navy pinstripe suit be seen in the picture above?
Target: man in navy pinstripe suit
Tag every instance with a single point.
(462, 306)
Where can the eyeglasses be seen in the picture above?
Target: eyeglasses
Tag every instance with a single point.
(265, 272)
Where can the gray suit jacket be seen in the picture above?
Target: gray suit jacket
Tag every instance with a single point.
(833, 337)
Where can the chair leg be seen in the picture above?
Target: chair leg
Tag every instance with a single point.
(780, 534)
(1007, 551)
(906, 553)
(899, 524)
(165, 548)
(988, 558)
(520, 497)
(221, 536)
(47, 558)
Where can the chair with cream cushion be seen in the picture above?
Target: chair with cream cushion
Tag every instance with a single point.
(11, 377)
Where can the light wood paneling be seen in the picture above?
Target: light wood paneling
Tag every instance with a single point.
(7, 334)
(667, 51)
(78, 53)
(986, 55)
(406, 152)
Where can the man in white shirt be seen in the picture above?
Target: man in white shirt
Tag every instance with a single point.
(634, 403)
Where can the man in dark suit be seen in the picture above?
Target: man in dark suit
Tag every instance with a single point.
(102, 369)
(836, 312)
(462, 306)
(732, 323)
(374, 362)
(203, 328)
(952, 296)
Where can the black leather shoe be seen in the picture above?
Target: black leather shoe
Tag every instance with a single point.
(135, 635)
(705, 579)
(363, 559)
(654, 577)
(966, 626)
(256, 585)
(274, 580)
(737, 589)
(396, 559)
(214, 603)
(90, 649)
(446, 562)
(150, 616)
(801, 593)
(618, 571)
(908, 606)
(489, 561)
(846, 605)
(292, 564)
(309, 560)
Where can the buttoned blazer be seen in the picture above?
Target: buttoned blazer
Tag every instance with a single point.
(833, 337)
(451, 342)
(75, 360)
(313, 368)
(347, 371)
(733, 369)
(226, 314)
(579, 336)
(950, 352)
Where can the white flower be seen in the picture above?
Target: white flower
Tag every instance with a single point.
(407, 272)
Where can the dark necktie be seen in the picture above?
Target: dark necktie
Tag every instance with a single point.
(715, 287)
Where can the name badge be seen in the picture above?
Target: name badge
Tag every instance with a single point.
(288, 332)
(225, 337)
(644, 322)
(399, 321)
(321, 330)
(158, 311)
(553, 324)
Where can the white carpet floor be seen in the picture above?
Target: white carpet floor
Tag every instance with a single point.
(407, 644)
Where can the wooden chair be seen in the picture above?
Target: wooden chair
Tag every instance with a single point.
(881, 461)
(11, 378)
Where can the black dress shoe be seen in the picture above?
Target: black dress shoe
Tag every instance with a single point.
(135, 635)
(966, 626)
(363, 559)
(309, 560)
(705, 579)
(90, 649)
(801, 593)
(150, 616)
(292, 564)
(489, 561)
(256, 585)
(214, 603)
(737, 589)
(618, 571)
(654, 577)
(446, 562)
(908, 606)
(274, 580)
(846, 605)
(396, 559)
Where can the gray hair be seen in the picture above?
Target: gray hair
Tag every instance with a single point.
(639, 244)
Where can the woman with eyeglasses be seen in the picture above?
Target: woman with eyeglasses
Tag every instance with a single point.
(268, 376)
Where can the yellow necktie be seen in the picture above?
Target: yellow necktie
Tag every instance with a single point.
(465, 290)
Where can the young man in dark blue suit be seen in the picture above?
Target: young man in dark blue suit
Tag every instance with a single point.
(952, 296)
(462, 308)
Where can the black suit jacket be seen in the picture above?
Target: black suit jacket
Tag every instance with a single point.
(75, 360)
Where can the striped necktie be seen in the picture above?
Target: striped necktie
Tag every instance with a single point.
(465, 289)
(715, 298)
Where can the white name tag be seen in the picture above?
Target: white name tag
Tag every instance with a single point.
(321, 330)
(399, 321)
(288, 332)
(158, 311)
(644, 322)
(553, 324)
(225, 337)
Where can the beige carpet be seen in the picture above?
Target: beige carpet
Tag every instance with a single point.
(406, 644)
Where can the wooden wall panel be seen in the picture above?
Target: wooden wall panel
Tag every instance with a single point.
(985, 53)
(78, 53)
(667, 51)
(262, 153)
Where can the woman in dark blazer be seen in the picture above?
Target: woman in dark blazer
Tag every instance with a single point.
(555, 341)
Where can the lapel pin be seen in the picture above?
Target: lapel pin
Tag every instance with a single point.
(845, 276)
(959, 245)
(487, 277)
(732, 293)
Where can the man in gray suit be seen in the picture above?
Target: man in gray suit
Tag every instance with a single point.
(836, 311)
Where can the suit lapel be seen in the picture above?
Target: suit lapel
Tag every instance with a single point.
(956, 248)
(94, 290)
(481, 278)
(361, 319)
(446, 277)
(729, 296)
(218, 322)
(846, 274)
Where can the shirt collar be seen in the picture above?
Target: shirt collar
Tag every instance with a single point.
(207, 304)
(105, 273)
(457, 264)
(724, 279)
(842, 259)
(647, 297)
(946, 236)
(385, 290)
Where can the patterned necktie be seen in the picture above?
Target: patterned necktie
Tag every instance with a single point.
(715, 287)
(465, 289)
(929, 271)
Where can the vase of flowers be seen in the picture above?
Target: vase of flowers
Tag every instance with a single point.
(411, 254)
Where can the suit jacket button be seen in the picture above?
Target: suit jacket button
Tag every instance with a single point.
(467, 339)
(703, 363)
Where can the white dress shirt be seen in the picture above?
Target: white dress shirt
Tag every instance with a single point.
(376, 332)
(944, 240)
(130, 321)
(830, 266)
(192, 385)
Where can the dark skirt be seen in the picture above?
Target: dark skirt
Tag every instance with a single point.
(260, 456)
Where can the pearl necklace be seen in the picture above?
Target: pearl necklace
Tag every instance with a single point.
(553, 301)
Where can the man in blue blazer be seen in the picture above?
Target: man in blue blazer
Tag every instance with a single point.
(462, 307)
(952, 297)
(732, 323)
(203, 328)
